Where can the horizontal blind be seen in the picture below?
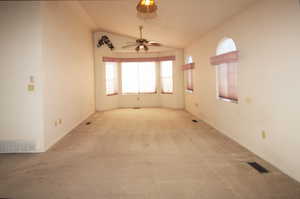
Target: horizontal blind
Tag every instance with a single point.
(227, 81)
(111, 77)
(166, 73)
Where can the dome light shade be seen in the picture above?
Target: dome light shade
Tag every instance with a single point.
(146, 6)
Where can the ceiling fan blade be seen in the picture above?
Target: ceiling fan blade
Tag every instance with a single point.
(146, 48)
(153, 43)
(137, 48)
(130, 45)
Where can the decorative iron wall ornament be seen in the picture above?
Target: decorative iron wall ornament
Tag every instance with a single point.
(105, 40)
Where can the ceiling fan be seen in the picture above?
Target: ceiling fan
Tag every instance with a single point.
(141, 43)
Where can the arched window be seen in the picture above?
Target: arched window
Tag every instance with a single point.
(190, 59)
(227, 70)
(226, 45)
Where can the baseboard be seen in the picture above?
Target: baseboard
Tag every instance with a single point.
(145, 107)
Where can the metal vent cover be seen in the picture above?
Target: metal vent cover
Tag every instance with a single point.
(259, 168)
(17, 146)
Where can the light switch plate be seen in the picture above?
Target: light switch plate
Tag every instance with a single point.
(248, 100)
(31, 79)
(30, 87)
(263, 134)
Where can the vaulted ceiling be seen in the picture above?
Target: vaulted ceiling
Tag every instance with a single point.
(178, 23)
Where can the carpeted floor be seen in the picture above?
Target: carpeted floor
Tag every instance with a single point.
(142, 154)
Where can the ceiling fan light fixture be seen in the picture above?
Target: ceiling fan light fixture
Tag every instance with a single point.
(146, 6)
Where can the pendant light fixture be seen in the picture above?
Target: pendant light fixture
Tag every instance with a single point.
(146, 6)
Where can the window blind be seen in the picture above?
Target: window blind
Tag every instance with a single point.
(166, 74)
(111, 77)
(227, 81)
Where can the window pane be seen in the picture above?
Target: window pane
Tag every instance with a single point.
(226, 45)
(147, 77)
(130, 83)
(190, 59)
(166, 72)
(232, 81)
(227, 81)
(138, 77)
(222, 80)
(190, 80)
(111, 75)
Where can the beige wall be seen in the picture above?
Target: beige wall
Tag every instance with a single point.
(21, 118)
(50, 44)
(104, 102)
(68, 68)
(267, 34)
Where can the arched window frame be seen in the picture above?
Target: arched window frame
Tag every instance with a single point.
(189, 59)
(226, 45)
(226, 61)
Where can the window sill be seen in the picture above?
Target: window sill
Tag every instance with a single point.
(228, 100)
(113, 94)
(139, 93)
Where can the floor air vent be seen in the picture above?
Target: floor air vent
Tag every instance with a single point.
(136, 107)
(195, 121)
(258, 167)
(88, 123)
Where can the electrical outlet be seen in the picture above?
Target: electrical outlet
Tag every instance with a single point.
(59, 121)
(248, 100)
(263, 134)
(56, 123)
(196, 104)
(138, 98)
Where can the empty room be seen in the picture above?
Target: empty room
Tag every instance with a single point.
(150, 99)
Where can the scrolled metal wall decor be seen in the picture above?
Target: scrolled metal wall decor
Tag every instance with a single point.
(105, 40)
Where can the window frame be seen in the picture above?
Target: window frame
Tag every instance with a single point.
(219, 97)
(138, 92)
(170, 77)
(115, 80)
(189, 87)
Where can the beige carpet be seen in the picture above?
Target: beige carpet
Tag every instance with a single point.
(142, 154)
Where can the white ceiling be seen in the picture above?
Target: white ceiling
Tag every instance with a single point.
(178, 23)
